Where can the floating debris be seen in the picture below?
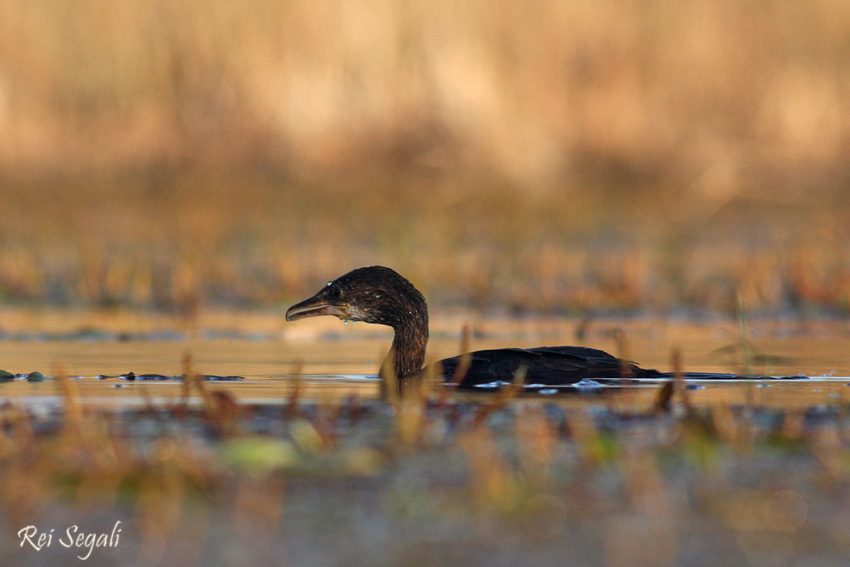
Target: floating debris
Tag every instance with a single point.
(214, 378)
(35, 377)
(131, 376)
(156, 377)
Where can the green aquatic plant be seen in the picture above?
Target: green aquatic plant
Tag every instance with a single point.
(35, 377)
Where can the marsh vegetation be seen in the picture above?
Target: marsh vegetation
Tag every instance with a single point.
(641, 177)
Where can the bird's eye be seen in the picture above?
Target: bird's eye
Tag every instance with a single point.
(336, 293)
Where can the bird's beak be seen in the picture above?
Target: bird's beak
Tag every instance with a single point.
(316, 306)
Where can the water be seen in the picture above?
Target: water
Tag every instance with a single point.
(573, 493)
(338, 361)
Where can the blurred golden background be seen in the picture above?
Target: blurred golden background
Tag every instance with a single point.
(545, 156)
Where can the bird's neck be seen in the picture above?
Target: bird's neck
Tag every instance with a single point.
(411, 338)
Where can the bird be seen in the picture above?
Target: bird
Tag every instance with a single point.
(381, 296)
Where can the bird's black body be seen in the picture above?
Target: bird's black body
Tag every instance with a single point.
(380, 295)
(544, 366)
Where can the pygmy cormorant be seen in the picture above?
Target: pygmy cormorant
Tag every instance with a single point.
(381, 296)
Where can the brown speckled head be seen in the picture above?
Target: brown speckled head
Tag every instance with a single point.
(381, 296)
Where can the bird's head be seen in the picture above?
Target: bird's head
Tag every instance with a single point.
(373, 295)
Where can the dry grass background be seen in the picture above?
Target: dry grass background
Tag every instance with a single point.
(546, 155)
(566, 156)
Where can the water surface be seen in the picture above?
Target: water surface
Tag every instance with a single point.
(336, 361)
